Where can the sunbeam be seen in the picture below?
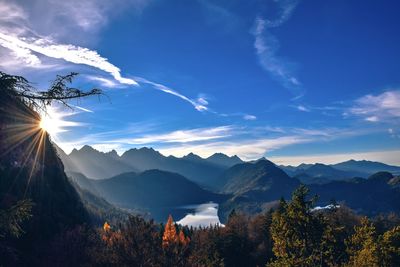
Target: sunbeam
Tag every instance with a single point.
(52, 121)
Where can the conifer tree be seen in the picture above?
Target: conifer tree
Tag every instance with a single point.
(362, 246)
(296, 232)
(390, 246)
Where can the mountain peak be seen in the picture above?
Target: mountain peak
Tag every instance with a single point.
(112, 153)
(224, 160)
(87, 148)
(192, 156)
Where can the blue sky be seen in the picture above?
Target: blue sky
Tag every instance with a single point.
(294, 81)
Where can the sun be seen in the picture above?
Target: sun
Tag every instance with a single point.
(53, 123)
(49, 124)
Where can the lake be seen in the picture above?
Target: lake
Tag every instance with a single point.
(204, 215)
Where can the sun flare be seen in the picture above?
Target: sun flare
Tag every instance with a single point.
(53, 122)
(49, 125)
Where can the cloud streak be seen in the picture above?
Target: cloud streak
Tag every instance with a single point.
(267, 45)
(182, 136)
(376, 108)
(199, 104)
(70, 53)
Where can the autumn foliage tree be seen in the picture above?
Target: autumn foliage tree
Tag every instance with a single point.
(170, 236)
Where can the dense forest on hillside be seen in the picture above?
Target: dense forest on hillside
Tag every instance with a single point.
(291, 235)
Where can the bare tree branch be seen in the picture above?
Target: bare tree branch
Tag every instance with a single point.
(19, 87)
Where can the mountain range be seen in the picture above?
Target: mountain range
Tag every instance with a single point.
(249, 187)
(321, 173)
(98, 165)
(257, 186)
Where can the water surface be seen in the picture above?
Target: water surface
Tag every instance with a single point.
(204, 215)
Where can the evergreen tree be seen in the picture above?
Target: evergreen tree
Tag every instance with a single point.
(362, 246)
(296, 232)
(390, 247)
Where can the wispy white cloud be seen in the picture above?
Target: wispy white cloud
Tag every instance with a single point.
(267, 45)
(249, 117)
(303, 108)
(393, 133)
(67, 52)
(82, 108)
(182, 136)
(198, 104)
(285, 11)
(104, 82)
(375, 108)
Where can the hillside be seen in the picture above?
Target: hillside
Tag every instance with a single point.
(367, 196)
(31, 169)
(155, 192)
(253, 186)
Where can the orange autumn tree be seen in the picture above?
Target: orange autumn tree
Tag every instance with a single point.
(170, 235)
(106, 227)
(183, 240)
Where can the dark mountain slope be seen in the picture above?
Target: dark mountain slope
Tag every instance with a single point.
(30, 168)
(261, 176)
(254, 185)
(367, 196)
(157, 192)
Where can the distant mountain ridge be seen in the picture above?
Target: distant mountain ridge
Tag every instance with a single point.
(99, 165)
(321, 173)
(205, 171)
(365, 166)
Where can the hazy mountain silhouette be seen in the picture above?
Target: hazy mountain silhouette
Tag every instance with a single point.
(224, 160)
(367, 167)
(191, 166)
(320, 173)
(98, 165)
(93, 163)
